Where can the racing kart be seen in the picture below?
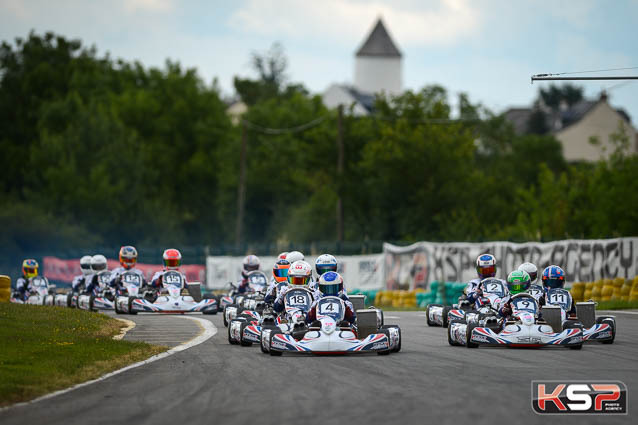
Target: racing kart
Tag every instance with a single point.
(101, 297)
(130, 288)
(556, 313)
(330, 334)
(439, 315)
(252, 299)
(522, 329)
(171, 298)
(41, 292)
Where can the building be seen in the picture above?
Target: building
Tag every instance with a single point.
(575, 125)
(377, 69)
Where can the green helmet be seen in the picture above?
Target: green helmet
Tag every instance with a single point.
(518, 281)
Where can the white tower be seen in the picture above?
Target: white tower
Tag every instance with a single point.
(378, 63)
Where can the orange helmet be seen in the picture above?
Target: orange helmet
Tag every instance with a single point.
(128, 257)
(280, 270)
(282, 256)
(172, 259)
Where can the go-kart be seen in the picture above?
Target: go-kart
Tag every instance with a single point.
(330, 334)
(522, 329)
(101, 297)
(556, 313)
(40, 293)
(252, 299)
(129, 288)
(170, 299)
(440, 315)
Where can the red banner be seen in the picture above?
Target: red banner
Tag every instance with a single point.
(65, 270)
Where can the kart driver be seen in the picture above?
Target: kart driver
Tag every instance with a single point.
(79, 281)
(553, 277)
(23, 283)
(324, 263)
(128, 259)
(98, 264)
(331, 284)
(485, 267)
(279, 275)
(172, 260)
(518, 282)
(299, 275)
(250, 264)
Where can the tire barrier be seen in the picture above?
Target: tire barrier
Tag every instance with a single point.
(618, 289)
(440, 293)
(5, 288)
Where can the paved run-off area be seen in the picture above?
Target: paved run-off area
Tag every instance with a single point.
(427, 382)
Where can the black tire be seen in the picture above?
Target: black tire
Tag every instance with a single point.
(211, 297)
(117, 310)
(69, 298)
(449, 338)
(612, 323)
(230, 305)
(130, 305)
(468, 334)
(446, 310)
(574, 324)
(230, 340)
(427, 314)
(91, 302)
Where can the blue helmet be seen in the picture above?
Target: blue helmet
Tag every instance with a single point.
(553, 277)
(331, 284)
(325, 263)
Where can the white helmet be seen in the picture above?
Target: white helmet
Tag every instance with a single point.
(531, 270)
(98, 263)
(293, 256)
(299, 273)
(85, 265)
(325, 263)
(251, 263)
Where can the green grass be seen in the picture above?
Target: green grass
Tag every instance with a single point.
(43, 349)
(616, 305)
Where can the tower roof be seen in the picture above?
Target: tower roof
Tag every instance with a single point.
(379, 43)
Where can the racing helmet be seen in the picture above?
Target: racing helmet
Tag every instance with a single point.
(128, 257)
(331, 284)
(299, 273)
(172, 259)
(85, 265)
(486, 266)
(250, 264)
(293, 256)
(98, 263)
(518, 281)
(282, 256)
(325, 263)
(531, 270)
(29, 268)
(553, 277)
(280, 270)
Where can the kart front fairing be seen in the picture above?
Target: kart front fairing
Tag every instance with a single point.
(171, 304)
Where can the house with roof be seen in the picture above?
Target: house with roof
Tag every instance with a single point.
(575, 125)
(377, 69)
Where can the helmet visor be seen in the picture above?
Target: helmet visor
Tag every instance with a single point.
(171, 262)
(283, 272)
(98, 267)
(486, 271)
(332, 289)
(298, 280)
(127, 263)
(30, 271)
(322, 268)
(251, 267)
(518, 287)
(554, 283)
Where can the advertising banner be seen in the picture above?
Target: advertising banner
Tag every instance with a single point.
(59, 270)
(417, 265)
(358, 271)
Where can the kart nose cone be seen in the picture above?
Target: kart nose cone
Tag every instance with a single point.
(328, 326)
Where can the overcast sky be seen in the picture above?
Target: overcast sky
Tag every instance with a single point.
(487, 48)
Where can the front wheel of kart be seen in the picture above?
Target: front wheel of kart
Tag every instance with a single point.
(427, 313)
(130, 305)
(444, 318)
(468, 336)
(116, 308)
(449, 332)
(92, 302)
(573, 324)
(398, 347)
(612, 323)
(231, 341)
(69, 299)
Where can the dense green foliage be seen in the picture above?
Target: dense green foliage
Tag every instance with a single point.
(104, 152)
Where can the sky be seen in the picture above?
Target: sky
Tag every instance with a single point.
(486, 48)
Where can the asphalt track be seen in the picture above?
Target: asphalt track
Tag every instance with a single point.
(427, 382)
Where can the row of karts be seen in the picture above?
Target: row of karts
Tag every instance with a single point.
(529, 325)
(130, 297)
(251, 321)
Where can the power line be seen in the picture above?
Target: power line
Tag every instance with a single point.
(584, 72)
(289, 130)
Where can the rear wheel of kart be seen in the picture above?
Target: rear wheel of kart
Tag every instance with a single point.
(446, 310)
(116, 308)
(91, 302)
(427, 313)
(69, 299)
(573, 324)
(468, 336)
(231, 341)
(449, 332)
(612, 323)
(130, 305)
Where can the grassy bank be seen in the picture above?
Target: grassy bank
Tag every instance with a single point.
(43, 349)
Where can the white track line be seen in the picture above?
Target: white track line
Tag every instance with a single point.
(208, 331)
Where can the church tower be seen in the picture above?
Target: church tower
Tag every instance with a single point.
(378, 65)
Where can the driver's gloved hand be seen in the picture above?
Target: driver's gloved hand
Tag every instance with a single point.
(344, 324)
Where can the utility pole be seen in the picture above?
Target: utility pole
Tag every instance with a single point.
(241, 188)
(340, 154)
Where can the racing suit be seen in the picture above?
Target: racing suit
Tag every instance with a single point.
(279, 304)
(350, 315)
(23, 287)
(472, 290)
(116, 276)
(90, 283)
(156, 281)
(78, 283)
(271, 291)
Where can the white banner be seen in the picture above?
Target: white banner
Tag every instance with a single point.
(358, 271)
(417, 265)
